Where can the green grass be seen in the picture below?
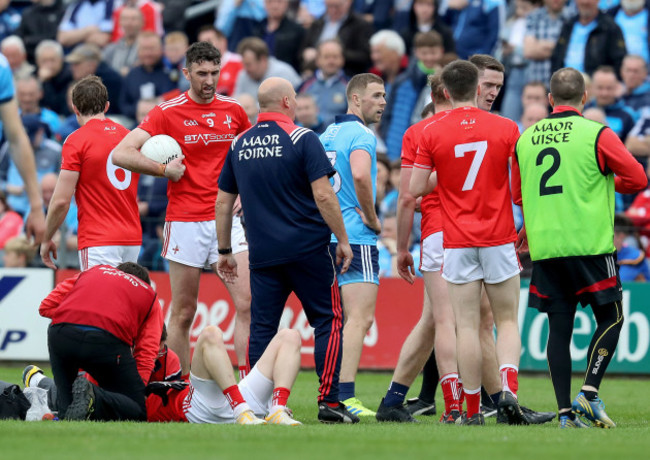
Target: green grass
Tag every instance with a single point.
(626, 403)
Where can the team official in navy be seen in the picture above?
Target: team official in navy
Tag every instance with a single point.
(282, 173)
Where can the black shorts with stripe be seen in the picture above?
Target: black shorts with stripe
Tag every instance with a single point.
(557, 285)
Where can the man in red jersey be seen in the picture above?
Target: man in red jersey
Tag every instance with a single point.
(437, 314)
(108, 322)
(478, 226)
(213, 396)
(109, 224)
(204, 124)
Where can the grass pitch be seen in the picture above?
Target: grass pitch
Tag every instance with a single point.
(626, 400)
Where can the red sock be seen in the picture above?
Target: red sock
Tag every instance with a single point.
(509, 378)
(280, 396)
(461, 399)
(243, 372)
(233, 396)
(449, 385)
(185, 377)
(473, 399)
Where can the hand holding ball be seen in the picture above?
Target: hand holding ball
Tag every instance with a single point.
(165, 150)
(161, 149)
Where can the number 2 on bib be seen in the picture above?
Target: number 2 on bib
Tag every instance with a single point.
(480, 148)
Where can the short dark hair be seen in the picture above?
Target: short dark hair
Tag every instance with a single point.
(485, 61)
(89, 95)
(199, 52)
(567, 86)
(427, 39)
(360, 82)
(437, 88)
(256, 45)
(430, 108)
(136, 270)
(461, 80)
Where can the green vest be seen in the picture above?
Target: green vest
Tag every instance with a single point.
(568, 202)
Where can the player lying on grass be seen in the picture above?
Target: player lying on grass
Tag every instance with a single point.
(212, 395)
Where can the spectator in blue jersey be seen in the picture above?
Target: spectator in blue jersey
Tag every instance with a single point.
(543, 28)
(281, 173)
(9, 19)
(476, 24)
(236, 17)
(620, 118)
(589, 40)
(40, 22)
(407, 88)
(634, 73)
(633, 17)
(423, 17)
(351, 146)
(328, 84)
(281, 34)
(147, 80)
(630, 259)
(87, 21)
(20, 149)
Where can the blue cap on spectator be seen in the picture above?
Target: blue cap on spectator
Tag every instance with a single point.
(32, 124)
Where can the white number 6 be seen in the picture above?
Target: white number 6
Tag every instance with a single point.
(112, 177)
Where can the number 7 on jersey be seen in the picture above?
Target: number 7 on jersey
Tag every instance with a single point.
(480, 148)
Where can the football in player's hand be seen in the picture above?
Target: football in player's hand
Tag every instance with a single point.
(161, 148)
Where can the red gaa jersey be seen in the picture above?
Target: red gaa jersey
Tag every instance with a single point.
(471, 150)
(430, 206)
(106, 195)
(173, 411)
(204, 132)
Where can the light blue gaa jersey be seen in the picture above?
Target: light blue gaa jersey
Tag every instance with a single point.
(340, 139)
(6, 84)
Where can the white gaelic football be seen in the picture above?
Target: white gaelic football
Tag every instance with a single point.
(161, 148)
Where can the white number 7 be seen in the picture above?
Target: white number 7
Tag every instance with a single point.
(480, 148)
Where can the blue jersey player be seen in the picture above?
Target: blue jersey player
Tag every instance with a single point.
(281, 173)
(351, 147)
(21, 151)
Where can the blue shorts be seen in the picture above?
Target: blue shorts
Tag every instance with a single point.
(364, 267)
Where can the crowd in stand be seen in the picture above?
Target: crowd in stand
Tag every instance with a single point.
(137, 47)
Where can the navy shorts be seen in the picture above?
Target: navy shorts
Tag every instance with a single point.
(364, 267)
(557, 285)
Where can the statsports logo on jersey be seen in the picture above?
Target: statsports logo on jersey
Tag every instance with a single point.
(471, 150)
(204, 132)
(340, 139)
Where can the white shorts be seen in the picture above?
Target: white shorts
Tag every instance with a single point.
(195, 243)
(431, 253)
(493, 264)
(206, 403)
(107, 255)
